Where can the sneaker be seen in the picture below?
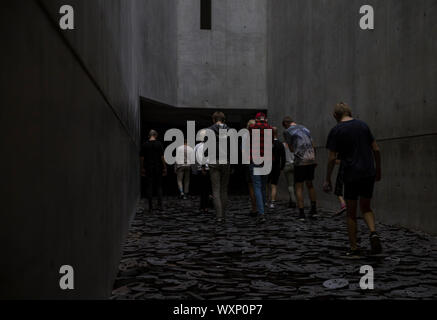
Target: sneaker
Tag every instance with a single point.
(262, 218)
(302, 217)
(341, 211)
(375, 244)
(272, 205)
(314, 214)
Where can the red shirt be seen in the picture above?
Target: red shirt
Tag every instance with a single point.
(261, 125)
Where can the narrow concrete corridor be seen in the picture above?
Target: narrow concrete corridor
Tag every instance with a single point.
(78, 104)
(181, 254)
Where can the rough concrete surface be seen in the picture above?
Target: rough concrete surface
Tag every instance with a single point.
(69, 152)
(319, 56)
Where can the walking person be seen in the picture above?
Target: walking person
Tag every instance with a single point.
(184, 155)
(202, 170)
(289, 176)
(300, 142)
(259, 181)
(220, 172)
(153, 168)
(278, 164)
(360, 156)
(248, 176)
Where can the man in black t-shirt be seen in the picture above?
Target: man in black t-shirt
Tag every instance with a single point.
(359, 153)
(153, 168)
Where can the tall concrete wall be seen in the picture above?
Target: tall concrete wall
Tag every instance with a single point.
(318, 56)
(157, 53)
(226, 66)
(69, 140)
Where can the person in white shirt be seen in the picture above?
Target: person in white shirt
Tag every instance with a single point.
(184, 160)
(202, 170)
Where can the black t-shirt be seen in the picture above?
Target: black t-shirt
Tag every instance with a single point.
(152, 151)
(353, 142)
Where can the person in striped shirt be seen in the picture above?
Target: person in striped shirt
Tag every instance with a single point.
(259, 181)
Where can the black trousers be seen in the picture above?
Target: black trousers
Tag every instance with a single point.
(153, 183)
(205, 190)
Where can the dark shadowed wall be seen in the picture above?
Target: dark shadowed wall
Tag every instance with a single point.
(70, 140)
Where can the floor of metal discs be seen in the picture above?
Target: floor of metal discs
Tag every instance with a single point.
(182, 254)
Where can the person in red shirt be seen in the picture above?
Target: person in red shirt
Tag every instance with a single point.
(259, 181)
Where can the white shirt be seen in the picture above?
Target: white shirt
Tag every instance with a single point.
(289, 156)
(201, 159)
(185, 156)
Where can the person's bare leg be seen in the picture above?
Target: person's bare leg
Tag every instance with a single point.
(187, 178)
(342, 201)
(274, 192)
(368, 214)
(289, 176)
(299, 195)
(352, 222)
(180, 178)
(311, 191)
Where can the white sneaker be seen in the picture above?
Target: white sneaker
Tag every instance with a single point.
(272, 205)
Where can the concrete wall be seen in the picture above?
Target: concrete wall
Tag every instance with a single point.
(157, 53)
(70, 110)
(69, 140)
(71, 130)
(318, 55)
(226, 66)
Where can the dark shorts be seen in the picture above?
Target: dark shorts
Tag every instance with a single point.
(304, 173)
(359, 189)
(274, 175)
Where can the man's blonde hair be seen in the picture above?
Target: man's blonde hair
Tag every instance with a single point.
(342, 110)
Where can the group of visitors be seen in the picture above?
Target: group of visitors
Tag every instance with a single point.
(351, 146)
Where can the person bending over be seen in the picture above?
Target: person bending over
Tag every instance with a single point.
(300, 142)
